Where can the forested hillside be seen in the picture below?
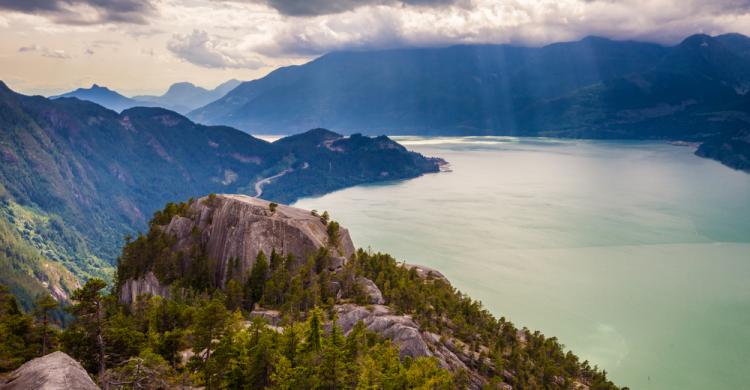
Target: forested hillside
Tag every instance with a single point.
(76, 178)
(287, 322)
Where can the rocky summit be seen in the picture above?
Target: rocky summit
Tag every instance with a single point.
(233, 230)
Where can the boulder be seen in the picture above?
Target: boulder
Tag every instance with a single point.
(55, 371)
(427, 272)
(374, 296)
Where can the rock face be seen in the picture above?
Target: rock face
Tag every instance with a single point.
(427, 272)
(379, 319)
(147, 284)
(412, 341)
(56, 371)
(239, 226)
(371, 290)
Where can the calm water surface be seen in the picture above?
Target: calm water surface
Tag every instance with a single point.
(635, 255)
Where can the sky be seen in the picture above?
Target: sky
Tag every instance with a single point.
(143, 46)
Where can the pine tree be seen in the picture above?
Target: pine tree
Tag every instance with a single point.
(261, 346)
(17, 341)
(257, 280)
(89, 311)
(333, 368)
(43, 304)
(314, 332)
(234, 295)
(211, 322)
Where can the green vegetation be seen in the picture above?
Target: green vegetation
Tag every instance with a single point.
(22, 337)
(36, 248)
(304, 295)
(219, 338)
(534, 360)
(272, 206)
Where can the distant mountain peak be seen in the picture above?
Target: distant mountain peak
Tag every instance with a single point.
(97, 87)
(595, 38)
(4, 87)
(697, 40)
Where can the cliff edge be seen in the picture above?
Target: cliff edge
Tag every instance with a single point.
(230, 231)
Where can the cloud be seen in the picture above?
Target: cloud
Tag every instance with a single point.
(200, 49)
(44, 52)
(327, 7)
(84, 12)
(376, 24)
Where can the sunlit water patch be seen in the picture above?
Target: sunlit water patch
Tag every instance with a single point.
(635, 255)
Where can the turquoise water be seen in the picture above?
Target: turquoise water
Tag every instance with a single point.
(635, 255)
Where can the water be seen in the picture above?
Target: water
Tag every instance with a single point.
(635, 255)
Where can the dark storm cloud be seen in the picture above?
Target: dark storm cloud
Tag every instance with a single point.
(326, 7)
(68, 11)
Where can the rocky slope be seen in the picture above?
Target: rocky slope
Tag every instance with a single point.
(233, 230)
(56, 371)
(226, 233)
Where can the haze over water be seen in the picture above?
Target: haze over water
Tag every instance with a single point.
(636, 255)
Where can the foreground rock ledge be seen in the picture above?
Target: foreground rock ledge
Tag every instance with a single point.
(56, 371)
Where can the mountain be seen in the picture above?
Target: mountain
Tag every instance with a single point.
(593, 88)
(103, 96)
(184, 97)
(77, 177)
(696, 91)
(275, 267)
(180, 97)
(473, 89)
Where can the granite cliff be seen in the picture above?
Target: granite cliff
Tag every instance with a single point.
(232, 230)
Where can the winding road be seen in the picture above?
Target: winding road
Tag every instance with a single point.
(260, 183)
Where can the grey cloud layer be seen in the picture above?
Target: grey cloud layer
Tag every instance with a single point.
(201, 49)
(44, 52)
(74, 11)
(327, 7)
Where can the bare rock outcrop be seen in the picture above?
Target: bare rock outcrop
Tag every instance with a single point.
(147, 284)
(372, 291)
(407, 335)
(401, 329)
(239, 227)
(55, 371)
(427, 272)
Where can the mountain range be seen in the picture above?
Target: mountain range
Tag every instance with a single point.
(180, 97)
(593, 88)
(77, 177)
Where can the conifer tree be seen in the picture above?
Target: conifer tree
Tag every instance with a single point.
(88, 309)
(257, 280)
(43, 304)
